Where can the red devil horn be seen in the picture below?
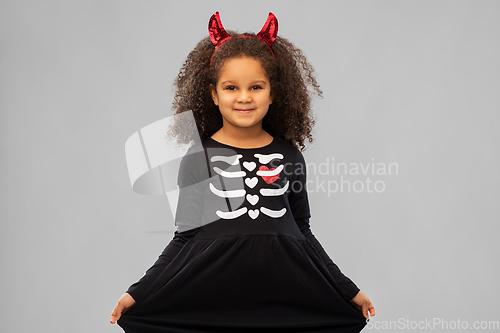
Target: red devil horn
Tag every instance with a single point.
(270, 30)
(216, 30)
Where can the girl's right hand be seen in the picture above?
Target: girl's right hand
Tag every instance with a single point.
(363, 303)
(125, 302)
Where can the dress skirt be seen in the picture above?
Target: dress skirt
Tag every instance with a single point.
(244, 283)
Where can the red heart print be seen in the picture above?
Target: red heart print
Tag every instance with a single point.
(268, 179)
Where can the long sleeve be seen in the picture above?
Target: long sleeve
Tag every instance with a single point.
(299, 204)
(138, 289)
(187, 218)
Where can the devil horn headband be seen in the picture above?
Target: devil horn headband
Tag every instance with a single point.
(218, 35)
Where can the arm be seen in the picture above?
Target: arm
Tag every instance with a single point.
(188, 216)
(299, 204)
(138, 289)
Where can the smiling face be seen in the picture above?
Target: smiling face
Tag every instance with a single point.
(243, 93)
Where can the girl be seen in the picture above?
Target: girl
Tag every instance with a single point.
(243, 258)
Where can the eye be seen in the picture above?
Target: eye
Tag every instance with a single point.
(230, 88)
(256, 87)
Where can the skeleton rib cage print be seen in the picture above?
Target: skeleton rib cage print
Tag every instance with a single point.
(252, 176)
(227, 184)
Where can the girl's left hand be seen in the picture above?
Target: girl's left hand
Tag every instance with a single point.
(363, 303)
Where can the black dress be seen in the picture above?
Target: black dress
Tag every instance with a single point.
(243, 258)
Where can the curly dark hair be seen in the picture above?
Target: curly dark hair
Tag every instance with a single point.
(289, 116)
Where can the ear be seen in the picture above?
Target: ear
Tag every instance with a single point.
(213, 92)
(271, 99)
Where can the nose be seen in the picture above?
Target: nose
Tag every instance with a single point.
(244, 96)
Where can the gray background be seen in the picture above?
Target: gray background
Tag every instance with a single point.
(409, 82)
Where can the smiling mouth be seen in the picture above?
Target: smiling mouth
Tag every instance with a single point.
(244, 110)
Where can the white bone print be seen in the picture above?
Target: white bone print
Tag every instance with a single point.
(253, 213)
(274, 192)
(273, 213)
(249, 165)
(264, 159)
(227, 194)
(229, 174)
(251, 182)
(252, 198)
(233, 214)
(270, 172)
(233, 160)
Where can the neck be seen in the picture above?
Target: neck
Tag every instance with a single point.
(243, 136)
